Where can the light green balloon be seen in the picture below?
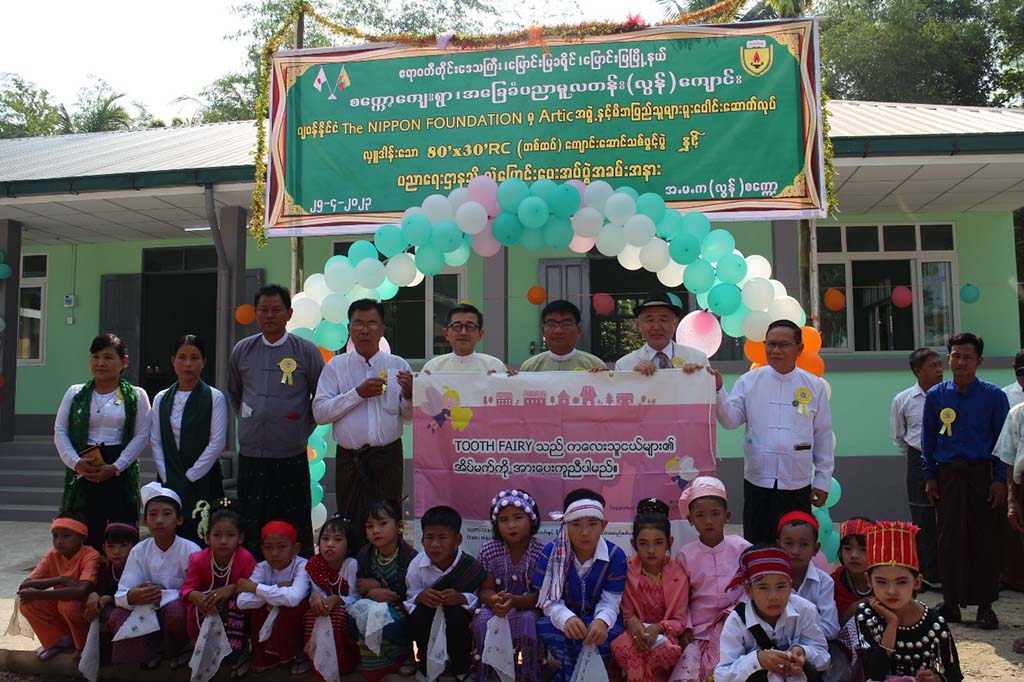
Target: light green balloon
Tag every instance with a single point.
(558, 232)
(389, 240)
(316, 491)
(460, 255)
(330, 335)
(699, 276)
(388, 290)
(303, 333)
(429, 259)
(532, 239)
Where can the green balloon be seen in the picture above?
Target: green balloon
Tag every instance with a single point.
(387, 290)
(532, 239)
(330, 335)
(319, 446)
(565, 200)
(507, 228)
(511, 193)
(724, 299)
(5, 271)
(3, 256)
(317, 470)
(447, 236)
(460, 255)
(676, 301)
(532, 212)
(731, 268)
(543, 189)
(699, 276)
(684, 249)
(830, 546)
(733, 324)
(304, 333)
(702, 300)
(558, 233)
(671, 225)
(316, 491)
(696, 224)
(835, 492)
(335, 259)
(389, 240)
(361, 250)
(417, 229)
(429, 259)
(628, 190)
(969, 293)
(717, 244)
(651, 205)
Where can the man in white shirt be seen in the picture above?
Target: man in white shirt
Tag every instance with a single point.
(463, 329)
(788, 433)
(657, 318)
(905, 426)
(367, 398)
(1015, 391)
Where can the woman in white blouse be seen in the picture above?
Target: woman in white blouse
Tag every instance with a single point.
(106, 411)
(188, 432)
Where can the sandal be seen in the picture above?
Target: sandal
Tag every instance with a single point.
(301, 665)
(241, 667)
(47, 654)
(986, 618)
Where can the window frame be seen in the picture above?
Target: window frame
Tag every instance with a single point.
(916, 258)
(31, 283)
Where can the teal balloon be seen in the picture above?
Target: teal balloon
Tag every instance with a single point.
(389, 240)
(417, 229)
(532, 239)
(969, 293)
(565, 200)
(628, 190)
(532, 212)
(3, 256)
(506, 228)
(684, 249)
(803, 318)
(702, 300)
(696, 224)
(319, 446)
(670, 225)
(676, 301)
(732, 324)
(429, 259)
(317, 470)
(447, 236)
(511, 193)
(699, 276)
(558, 233)
(651, 205)
(824, 519)
(321, 432)
(717, 244)
(304, 333)
(330, 335)
(335, 259)
(360, 250)
(830, 547)
(460, 255)
(316, 491)
(834, 494)
(724, 299)
(5, 271)
(387, 290)
(731, 268)
(543, 189)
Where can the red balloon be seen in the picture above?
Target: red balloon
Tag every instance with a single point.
(902, 297)
(603, 304)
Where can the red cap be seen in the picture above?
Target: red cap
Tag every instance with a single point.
(893, 543)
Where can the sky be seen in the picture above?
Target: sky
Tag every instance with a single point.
(156, 51)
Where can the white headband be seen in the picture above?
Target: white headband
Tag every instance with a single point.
(580, 509)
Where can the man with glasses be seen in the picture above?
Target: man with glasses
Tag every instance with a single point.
(367, 397)
(272, 378)
(657, 317)
(964, 479)
(560, 324)
(463, 329)
(787, 448)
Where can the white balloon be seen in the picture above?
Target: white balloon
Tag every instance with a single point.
(318, 516)
(299, 296)
(758, 293)
(334, 307)
(654, 255)
(828, 394)
(370, 273)
(619, 208)
(291, 325)
(417, 279)
(401, 269)
(596, 194)
(779, 287)
(360, 292)
(437, 208)
(340, 277)
(755, 325)
(758, 266)
(629, 257)
(786, 308)
(305, 312)
(457, 197)
(639, 230)
(471, 217)
(316, 287)
(412, 210)
(672, 274)
(587, 221)
(611, 240)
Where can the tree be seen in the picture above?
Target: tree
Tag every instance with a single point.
(25, 110)
(97, 110)
(1008, 17)
(927, 51)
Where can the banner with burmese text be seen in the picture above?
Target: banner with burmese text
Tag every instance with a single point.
(624, 435)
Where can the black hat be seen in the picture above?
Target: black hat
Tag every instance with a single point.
(657, 298)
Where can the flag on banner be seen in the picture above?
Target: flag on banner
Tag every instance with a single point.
(343, 81)
(321, 78)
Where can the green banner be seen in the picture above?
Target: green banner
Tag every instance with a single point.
(722, 119)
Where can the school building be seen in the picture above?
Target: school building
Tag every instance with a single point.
(143, 233)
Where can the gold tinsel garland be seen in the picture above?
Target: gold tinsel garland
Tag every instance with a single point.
(720, 12)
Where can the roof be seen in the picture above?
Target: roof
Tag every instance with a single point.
(881, 119)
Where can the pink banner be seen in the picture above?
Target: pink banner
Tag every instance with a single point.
(622, 434)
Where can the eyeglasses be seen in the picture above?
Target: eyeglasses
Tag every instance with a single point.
(564, 325)
(781, 345)
(359, 325)
(271, 311)
(459, 327)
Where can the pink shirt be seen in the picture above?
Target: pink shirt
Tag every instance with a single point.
(710, 569)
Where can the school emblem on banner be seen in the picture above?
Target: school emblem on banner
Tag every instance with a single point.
(757, 57)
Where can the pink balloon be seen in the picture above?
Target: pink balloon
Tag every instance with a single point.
(902, 297)
(484, 242)
(581, 244)
(484, 190)
(821, 562)
(603, 304)
(701, 330)
(578, 184)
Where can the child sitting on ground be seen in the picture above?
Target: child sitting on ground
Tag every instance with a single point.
(443, 577)
(54, 594)
(118, 540)
(853, 585)
(152, 579)
(654, 605)
(581, 577)
(332, 578)
(771, 630)
(710, 564)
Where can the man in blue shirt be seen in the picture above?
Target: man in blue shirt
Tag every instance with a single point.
(964, 480)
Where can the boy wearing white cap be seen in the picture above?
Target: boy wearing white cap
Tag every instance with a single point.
(147, 593)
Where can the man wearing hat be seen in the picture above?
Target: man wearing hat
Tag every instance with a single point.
(657, 317)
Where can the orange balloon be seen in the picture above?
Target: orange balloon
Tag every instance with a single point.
(812, 363)
(835, 300)
(754, 350)
(537, 294)
(326, 354)
(755, 365)
(812, 340)
(245, 314)
(310, 454)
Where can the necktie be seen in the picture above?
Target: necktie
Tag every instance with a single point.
(661, 360)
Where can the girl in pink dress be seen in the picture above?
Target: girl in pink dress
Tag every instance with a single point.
(710, 563)
(654, 604)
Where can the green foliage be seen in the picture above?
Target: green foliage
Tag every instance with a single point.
(25, 110)
(97, 109)
(1008, 17)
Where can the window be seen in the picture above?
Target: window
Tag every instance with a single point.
(32, 310)
(873, 267)
(415, 316)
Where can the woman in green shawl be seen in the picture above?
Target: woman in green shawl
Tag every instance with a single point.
(110, 413)
(188, 432)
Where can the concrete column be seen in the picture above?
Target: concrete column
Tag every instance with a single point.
(230, 292)
(495, 305)
(10, 244)
(786, 255)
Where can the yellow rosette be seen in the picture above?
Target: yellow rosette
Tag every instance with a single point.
(947, 416)
(579, 369)
(678, 363)
(383, 374)
(801, 399)
(287, 367)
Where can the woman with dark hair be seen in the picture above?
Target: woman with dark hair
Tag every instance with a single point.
(188, 431)
(102, 427)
